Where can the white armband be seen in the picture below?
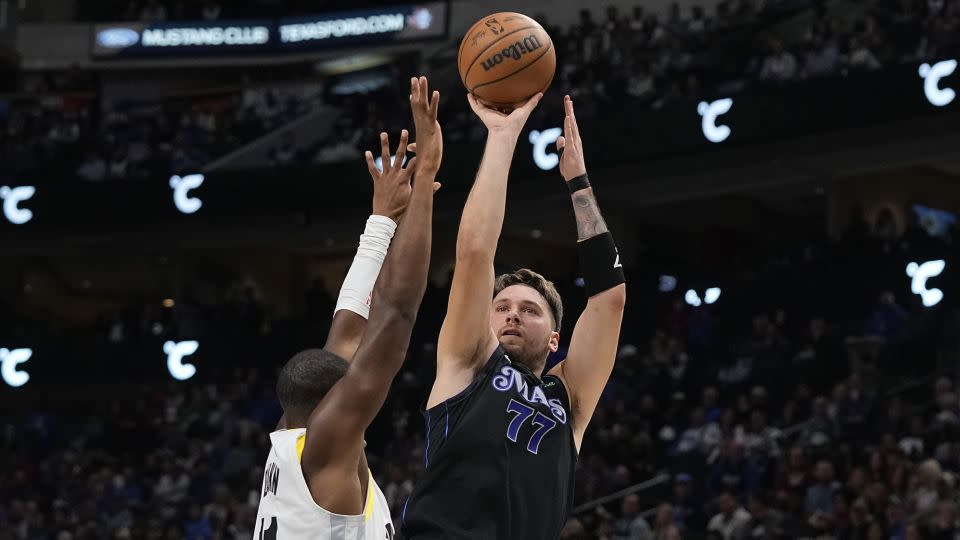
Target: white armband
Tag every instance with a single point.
(358, 285)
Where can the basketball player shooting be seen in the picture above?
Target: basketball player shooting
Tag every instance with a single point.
(316, 481)
(502, 437)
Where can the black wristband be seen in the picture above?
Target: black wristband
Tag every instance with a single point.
(578, 183)
(600, 264)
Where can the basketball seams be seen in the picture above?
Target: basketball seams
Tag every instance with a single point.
(466, 74)
(535, 60)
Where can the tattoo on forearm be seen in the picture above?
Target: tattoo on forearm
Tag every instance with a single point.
(589, 221)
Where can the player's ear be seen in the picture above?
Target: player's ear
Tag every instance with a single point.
(554, 341)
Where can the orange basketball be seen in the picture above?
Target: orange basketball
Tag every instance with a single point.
(505, 58)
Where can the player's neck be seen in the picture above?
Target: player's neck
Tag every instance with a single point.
(530, 367)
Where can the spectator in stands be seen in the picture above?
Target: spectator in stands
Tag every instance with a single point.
(197, 525)
(640, 83)
(765, 522)
(700, 438)
(944, 524)
(779, 65)
(896, 518)
(676, 24)
(698, 24)
(631, 525)
(574, 530)
(731, 473)
(793, 472)
(687, 509)
(731, 519)
(664, 527)
(760, 440)
(926, 495)
(820, 495)
(93, 168)
(888, 317)
(284, 152)
(822, 57)
(854, 409)
(860, 57)
(637, 23)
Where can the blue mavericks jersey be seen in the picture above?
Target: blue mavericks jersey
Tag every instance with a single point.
(499, 461)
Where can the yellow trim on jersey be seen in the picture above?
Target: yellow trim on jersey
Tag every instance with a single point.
(301, 440)
(368, 506)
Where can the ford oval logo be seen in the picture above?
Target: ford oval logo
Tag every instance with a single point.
(117, 38)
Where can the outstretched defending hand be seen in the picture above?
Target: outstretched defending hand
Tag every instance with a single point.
(570, 145)
(429, 136)
(391, 187)
(497, 121)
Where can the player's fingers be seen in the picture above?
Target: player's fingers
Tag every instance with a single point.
(385, 151)
(402, 147)
(568, 132)
(415, 89)
(531, 103)
(560, 142)
(424, 89)
(412, 148)
(436, 186)
(434, 104)
(573, 119)
(371, 165)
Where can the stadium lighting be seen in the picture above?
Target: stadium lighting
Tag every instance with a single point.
(710, 112)
(12, 197)
(181, 187)
(9, 360)
(919, 274)
(175, 354)
(393, 159)
(667, 283)
(938, 97)
(692, 298)
(711, 295)
(541, 140)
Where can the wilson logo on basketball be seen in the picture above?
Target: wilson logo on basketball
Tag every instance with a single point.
(514, 52)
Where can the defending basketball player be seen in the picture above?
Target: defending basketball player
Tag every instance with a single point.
(316, 482)
(502, 437)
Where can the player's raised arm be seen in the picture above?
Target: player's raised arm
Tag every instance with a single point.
(593, 346)
(334, 439)
(466, 338)
(391, 193)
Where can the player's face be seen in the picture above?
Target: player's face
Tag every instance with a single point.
(523, 323)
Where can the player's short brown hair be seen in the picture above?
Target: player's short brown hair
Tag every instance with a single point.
(535, 281)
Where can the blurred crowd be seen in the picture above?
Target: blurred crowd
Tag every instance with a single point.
(691, 54)
(63, 127)
(803, 403)
(812, 410)
(71, 133)
(209, 10)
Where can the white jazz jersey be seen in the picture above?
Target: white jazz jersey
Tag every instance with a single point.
(288, 512)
